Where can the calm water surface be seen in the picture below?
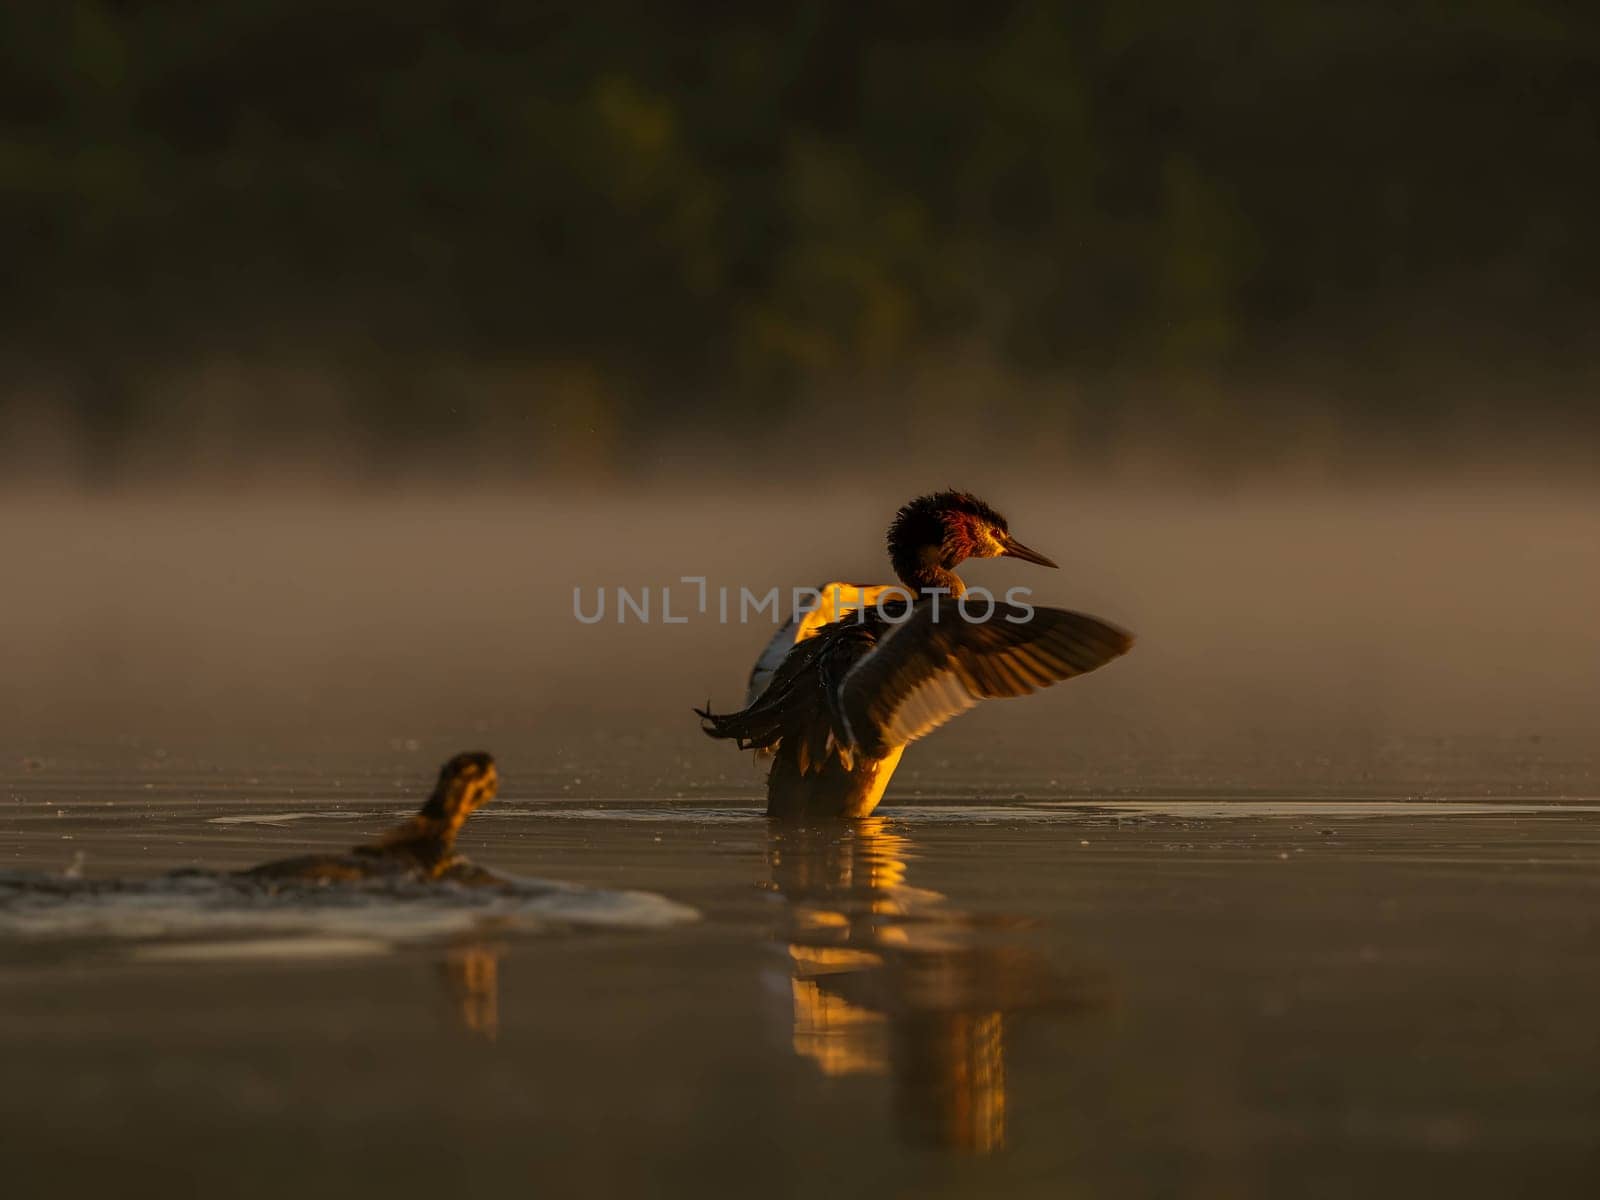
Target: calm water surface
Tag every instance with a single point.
(1156, 997)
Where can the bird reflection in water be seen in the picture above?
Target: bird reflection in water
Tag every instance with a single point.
(888, 979)
(472, 978)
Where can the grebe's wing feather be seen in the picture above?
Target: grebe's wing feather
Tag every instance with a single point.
(836, 599)
(926, 670)
(798, 709)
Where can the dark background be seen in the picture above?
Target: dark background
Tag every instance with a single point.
(623, 240)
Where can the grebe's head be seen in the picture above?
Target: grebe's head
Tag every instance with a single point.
(466, 783)
(933, 533)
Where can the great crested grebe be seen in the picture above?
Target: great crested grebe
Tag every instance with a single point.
(838, 694)
(421, 848)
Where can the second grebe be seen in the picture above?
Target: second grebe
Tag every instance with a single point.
(421, 848)
(839, 693)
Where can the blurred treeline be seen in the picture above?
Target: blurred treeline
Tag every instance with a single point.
(583, 235)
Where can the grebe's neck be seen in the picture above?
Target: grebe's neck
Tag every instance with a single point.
(438, 822)
(929, 578)
(422, 831)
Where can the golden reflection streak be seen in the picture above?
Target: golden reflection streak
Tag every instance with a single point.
(887, 979)
(472, 975)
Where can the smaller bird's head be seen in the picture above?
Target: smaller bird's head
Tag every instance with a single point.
(466, 783)
(933, 533)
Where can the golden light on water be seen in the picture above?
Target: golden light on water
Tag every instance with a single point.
(839, 1037)
(473, 975)
(885, 982)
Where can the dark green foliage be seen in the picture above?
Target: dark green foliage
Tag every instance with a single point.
(669, 204)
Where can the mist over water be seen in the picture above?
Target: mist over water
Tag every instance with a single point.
(1387, 640)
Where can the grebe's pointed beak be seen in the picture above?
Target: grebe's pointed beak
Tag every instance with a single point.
(1015, 549)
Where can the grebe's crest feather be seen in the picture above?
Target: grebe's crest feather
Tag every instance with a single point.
(926, 514)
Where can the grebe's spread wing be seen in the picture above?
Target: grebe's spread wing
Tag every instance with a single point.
(926, 670)
(836, 600)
